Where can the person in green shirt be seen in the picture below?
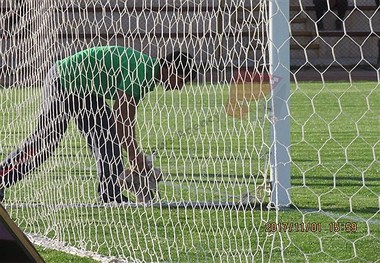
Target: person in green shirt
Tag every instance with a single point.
(77, 87)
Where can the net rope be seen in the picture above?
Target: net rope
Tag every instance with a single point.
(211, 140)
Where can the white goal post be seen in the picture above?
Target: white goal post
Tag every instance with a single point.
(270, 154)
(279, 59)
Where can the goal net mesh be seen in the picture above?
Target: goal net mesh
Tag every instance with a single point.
(211, 140)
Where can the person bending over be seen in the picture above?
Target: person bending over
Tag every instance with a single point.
(76, 88)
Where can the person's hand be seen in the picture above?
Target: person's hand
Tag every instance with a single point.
(143, 163)
(143, 186)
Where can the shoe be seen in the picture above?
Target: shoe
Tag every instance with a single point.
(119, 199)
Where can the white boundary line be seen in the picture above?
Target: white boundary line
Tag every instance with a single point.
(62, 246)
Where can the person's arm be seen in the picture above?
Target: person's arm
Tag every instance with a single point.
(125, 109)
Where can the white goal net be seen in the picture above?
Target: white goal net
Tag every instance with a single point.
(217, 142)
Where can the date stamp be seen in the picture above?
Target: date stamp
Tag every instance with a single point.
(272, 227)
(348, 227)
(314, 227)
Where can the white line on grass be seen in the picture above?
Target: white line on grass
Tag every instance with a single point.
(62, 246)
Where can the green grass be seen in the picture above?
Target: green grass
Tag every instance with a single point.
(209, 156)
(54, 256)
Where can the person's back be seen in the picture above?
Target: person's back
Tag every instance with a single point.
(102, 70)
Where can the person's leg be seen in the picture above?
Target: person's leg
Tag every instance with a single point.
(320, 9)
(96, 122)
(40, 145)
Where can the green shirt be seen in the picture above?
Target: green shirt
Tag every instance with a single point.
(102, 70)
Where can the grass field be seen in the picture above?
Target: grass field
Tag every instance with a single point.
(54, 256)
(209, 156)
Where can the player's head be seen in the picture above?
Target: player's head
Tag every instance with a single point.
(176, 69)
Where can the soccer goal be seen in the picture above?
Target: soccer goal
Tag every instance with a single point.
(271, 154)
